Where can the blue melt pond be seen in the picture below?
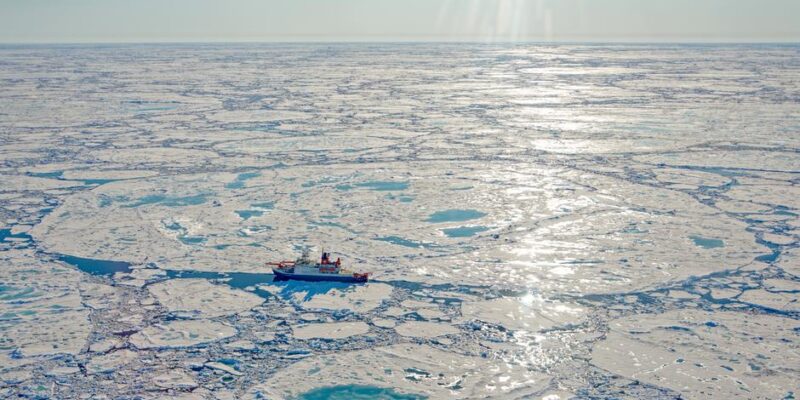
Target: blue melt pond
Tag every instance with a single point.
(96, 267)
(247, 214)
(238, 183)
(384, 186)
(401, 198)
(455, 215)
(464, 231)
(169, 201)
(357, 392)
(51, 175)
(6, 233)
(402, 242)
(266, 205)
(190, 240)
(16, 294)
(707, 243)
(98, 181)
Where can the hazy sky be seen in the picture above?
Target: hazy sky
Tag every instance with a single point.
(399, 20)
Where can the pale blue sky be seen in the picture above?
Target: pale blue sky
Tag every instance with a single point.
(66, 21)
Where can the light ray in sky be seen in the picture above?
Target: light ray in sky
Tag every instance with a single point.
(395, 20)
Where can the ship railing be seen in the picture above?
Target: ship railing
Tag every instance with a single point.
(282, 264)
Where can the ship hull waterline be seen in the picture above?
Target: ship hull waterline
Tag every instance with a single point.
(285, 276)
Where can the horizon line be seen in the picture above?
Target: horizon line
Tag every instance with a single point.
(412, 41)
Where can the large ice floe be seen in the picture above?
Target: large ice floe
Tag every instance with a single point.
(181, 334)
(332, 330)
(526, 313)
(703, 354)
(202, 298)
(540, 222)
(41, 316)
(359, 299)
(419, 370)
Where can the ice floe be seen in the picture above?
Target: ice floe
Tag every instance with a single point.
(526, 313)
(108, 363)
(332, 330)
(202, 298)
(702, 354)
(175, 379)
(181, 334)
(360, 299)
(424, 371)
(421, 329)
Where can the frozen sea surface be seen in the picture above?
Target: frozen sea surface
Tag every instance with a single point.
(541, 221)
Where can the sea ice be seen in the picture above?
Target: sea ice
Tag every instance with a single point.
(527, 313)
(597, 221)
(332, 330)
(202, 298)
(702, 354)
(181, 334)
(360, 299)
(108, 363)
(421, 370)
(175, 379)
(420, 329)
